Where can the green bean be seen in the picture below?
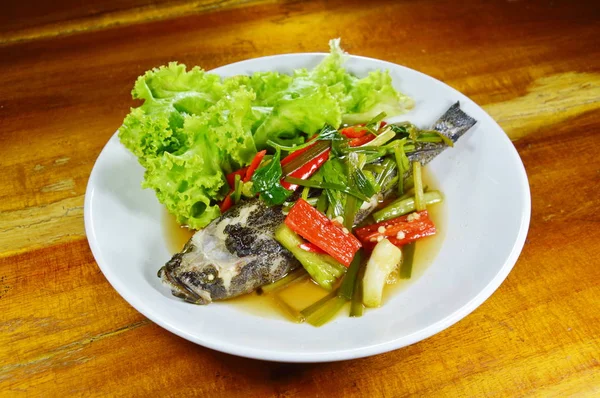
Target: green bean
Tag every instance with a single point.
(403, 206)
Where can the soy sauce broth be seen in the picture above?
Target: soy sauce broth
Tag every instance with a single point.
(301, 294)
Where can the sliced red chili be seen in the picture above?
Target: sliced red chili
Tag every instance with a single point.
(316, 228)
(354, 131)
(254, 165)
(399, 231)
(231, 176)
(361, 140)
(226, 203)
(304, 172)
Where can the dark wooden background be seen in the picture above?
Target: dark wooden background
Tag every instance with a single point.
(66, 71)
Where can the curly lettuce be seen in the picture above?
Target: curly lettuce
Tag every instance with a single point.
(193, 127)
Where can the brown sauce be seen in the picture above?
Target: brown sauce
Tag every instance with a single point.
(302, 293)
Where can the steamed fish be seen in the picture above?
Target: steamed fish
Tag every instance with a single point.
(237, 252)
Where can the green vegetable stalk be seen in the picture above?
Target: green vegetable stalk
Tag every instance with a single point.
(404, 206)
(322, 268)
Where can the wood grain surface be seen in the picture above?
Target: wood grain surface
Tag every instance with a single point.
(66, 71)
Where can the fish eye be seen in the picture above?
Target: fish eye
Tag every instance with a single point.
(209, 276)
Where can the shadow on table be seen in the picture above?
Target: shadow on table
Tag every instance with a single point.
(287, 379)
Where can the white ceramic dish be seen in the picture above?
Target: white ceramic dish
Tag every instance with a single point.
(488, 200)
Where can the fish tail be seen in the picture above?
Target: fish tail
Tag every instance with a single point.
(454, 123)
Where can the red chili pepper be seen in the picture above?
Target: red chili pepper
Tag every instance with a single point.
(361, 140)
(309, 247)
(297, 153)
(226, 203)
(254, 165)
(354, 131)
(399, 231)
(316, 228)
(231, 176)
(307, 170)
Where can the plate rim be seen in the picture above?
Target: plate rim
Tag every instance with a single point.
(337, 355)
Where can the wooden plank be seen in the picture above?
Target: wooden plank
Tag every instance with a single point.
(22, 21)
(52, 298)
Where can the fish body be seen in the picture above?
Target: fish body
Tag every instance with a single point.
(237, 253)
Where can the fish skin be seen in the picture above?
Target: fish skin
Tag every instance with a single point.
(239, 249)
(233, 255)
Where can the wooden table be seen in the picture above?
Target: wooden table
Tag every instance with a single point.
(66, 71)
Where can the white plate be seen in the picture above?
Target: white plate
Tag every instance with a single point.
(488, 201)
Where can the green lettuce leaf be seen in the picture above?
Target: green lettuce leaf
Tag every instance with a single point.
(372, 95)
(187, 170)
(193, 126)
(169, 93)
(187, 183)
(305, 108)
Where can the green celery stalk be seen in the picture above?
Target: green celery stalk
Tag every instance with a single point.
(373, 125)
(347, 286)
(237, 192)
(402, 163)
(305, 157)
(430, 135)
(293, 313)
(322, 268)
(322, 202)
(400, 207)
(420, 203)
(357, 179)
(296, 275)
(316, 306)
(386, 135)
(350, 210)
(326, 185)
(356, 306)
(387, 170)
(326, 312)
(408, 253)
(305, 193)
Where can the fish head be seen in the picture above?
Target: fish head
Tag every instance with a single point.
(199, 284)
(232, 256)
